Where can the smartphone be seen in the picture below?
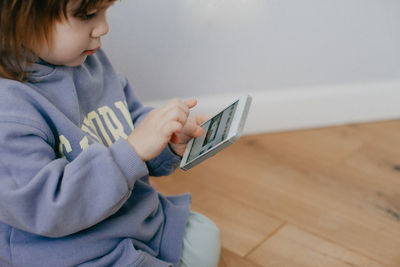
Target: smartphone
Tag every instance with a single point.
(220, 131)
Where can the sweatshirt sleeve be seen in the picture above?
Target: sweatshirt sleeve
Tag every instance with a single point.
(50, 196)
(165, 163)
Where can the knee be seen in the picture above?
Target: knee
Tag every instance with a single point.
(201, 243)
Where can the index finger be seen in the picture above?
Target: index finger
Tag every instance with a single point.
(190, 103)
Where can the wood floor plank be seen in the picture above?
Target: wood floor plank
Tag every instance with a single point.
(360, 233)
(340, 184)
(230, 259)
(291, 246)
(241, 227)
(314, 208)
(353, 180)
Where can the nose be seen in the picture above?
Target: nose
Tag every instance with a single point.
(101, 28)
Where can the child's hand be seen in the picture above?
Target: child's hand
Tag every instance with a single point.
(191, 129)
(159, 127)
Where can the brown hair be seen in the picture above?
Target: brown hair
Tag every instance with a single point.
(25, 24)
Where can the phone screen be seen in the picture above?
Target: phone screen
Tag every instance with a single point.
(215, 131)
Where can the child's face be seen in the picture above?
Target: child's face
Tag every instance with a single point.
(76, 38)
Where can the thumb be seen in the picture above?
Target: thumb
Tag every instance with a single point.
(200, 119)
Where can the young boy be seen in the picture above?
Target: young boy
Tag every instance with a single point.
(77, 148)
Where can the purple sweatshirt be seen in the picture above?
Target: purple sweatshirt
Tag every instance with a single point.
(72, 190)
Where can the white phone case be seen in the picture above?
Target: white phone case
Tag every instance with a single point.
(220, 131)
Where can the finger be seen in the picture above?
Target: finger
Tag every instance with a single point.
(179, 116)
(198, 132)
(176, 104)
(170, 128)
(190, 103)
(175, 138)
(172, 104)
(200, 119)
(191, 129)
(179, 138)
(174, 114)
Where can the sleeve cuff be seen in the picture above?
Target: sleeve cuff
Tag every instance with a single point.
(165, 163)
(129, 162)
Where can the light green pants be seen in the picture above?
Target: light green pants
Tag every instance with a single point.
(201, 243)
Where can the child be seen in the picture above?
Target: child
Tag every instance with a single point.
(77, 148)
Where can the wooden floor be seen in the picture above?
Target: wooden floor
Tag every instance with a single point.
(320, 197)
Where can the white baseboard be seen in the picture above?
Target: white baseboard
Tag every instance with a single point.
(300, 108)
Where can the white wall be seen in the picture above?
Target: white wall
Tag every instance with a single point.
(280, 51)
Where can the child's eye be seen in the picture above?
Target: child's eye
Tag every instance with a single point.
(89, 16)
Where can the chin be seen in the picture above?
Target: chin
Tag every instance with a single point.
(76, 62)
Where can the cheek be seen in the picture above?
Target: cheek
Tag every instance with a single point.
(67, 45)
(70, 38)
(66, 52)
(70, 44)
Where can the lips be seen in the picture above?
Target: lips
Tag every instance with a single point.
(90, 52)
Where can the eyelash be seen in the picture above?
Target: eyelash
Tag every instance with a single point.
(93, 14)
(88, 16)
